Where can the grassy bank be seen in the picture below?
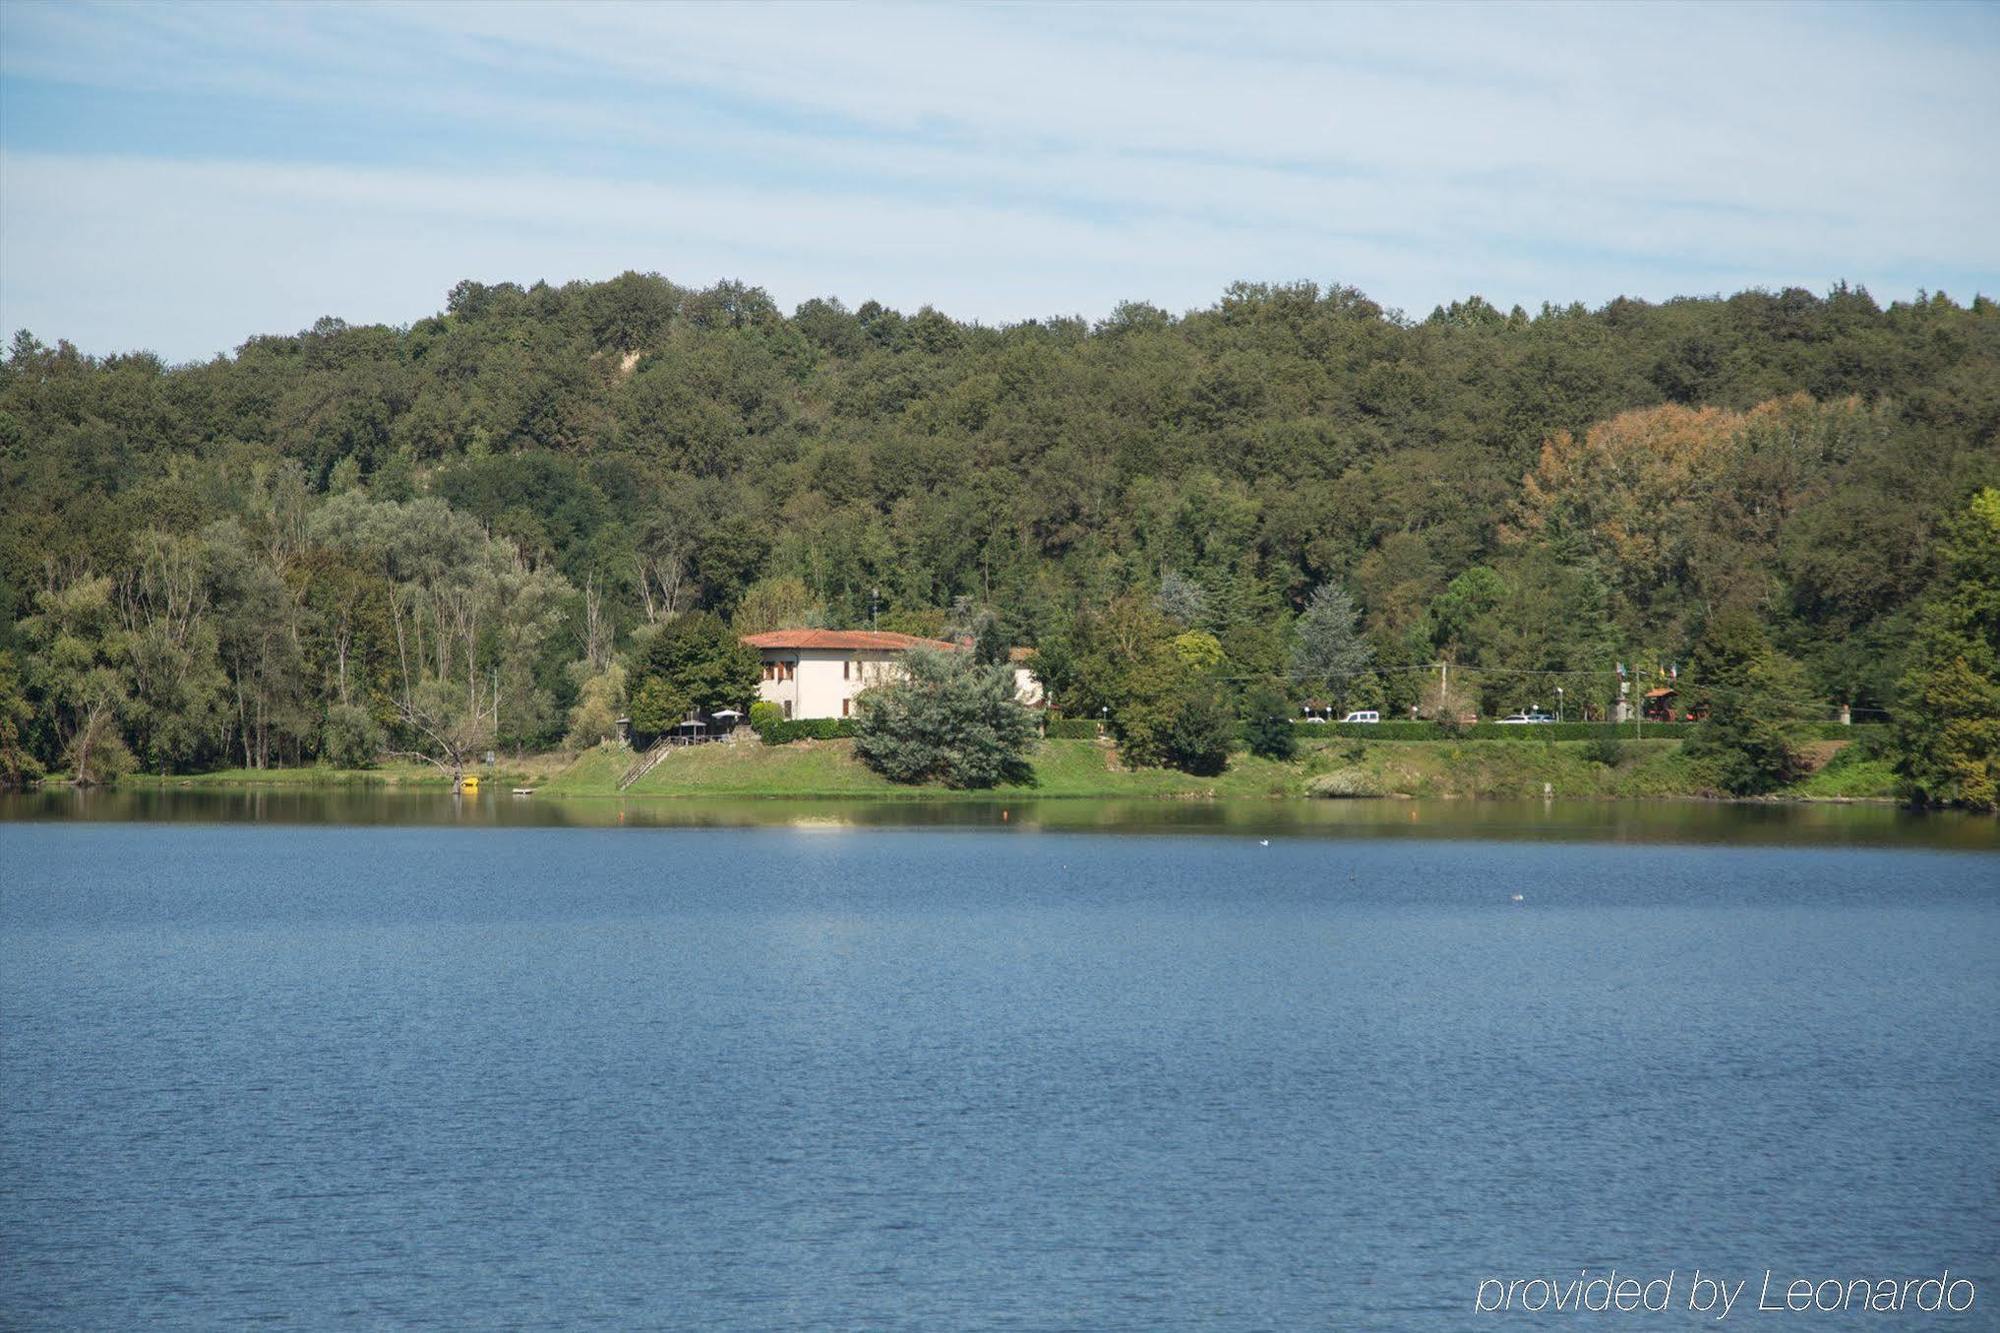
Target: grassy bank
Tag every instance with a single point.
(829, 768)
(514, 770)
(1335, 767)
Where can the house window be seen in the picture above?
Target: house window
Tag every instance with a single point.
(767, 671)
(846, 665)
(843, 706)
(788, 710)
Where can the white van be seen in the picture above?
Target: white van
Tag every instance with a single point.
(1364, 715)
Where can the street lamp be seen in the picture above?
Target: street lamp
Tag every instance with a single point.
(1559, 703)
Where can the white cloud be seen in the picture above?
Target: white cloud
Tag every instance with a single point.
(1004, 163)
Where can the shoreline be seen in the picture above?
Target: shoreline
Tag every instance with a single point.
(1331, 770)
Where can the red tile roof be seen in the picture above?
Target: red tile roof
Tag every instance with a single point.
(843, 640)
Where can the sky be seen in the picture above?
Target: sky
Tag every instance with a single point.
(180, 177)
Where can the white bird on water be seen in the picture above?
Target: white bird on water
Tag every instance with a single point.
(1518, 898)
(1263, 842)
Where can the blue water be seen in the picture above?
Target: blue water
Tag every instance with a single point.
(938, 1079)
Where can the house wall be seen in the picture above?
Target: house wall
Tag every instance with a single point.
(817, 682)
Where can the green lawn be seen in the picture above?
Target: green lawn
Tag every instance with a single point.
(1336, 766)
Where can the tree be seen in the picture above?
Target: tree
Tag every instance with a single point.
(947, 719)
(1948, 728)
(446, 727)
(79, 653)
(1757, 701)
(1267, 723)
(1200, 732)
(1172, 712)
(1328, 652)
(701, 661)
(258, 647)
(1182, 600)
(17, 763)
(658, 706)
(174, 675)
(777, 603)
(409, 503)
(351, 738)
(600, 699)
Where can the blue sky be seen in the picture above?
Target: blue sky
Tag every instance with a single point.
(181, 176)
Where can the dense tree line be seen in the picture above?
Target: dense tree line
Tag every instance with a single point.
(470, 532)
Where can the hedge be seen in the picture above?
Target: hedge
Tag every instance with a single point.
(1551, 731)
(782, 732)
(1085, 728)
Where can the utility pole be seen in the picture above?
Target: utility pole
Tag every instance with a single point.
(874, 605)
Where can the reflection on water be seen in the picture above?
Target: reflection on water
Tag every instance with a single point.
(959, 1078)
(1586, 821)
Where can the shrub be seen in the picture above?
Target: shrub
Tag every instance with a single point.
(763, 716)
(1605, 750)
(1343, 782)
(782, 732)
(1267, 727)
(1199, 733)
(1539, 731)
(948, 719)
(351, 738)
(1072, 729)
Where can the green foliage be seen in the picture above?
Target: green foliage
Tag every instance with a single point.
(1267, 724)
(1072, 728)
(351, 738)
(17, 763)
(1605, 750)
(764, 714)
(1329, 653)
(1200, 652)
(658, 706)
(779, 731)
(1539, 731)
(600, 700)
(777, 603)
(949, 719)
(543, 476)
(1199, 733)
(1757, 700)
(701, 661)
(1948, 731)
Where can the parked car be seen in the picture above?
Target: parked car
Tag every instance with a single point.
(1363, 715)
(1521, 719)
(1317, 721)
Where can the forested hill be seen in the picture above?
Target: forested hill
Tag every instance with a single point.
(1514, 492)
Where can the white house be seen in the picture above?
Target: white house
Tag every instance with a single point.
(1026, 687)
(817, 672)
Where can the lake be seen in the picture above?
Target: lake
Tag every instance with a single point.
(963, 1065)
